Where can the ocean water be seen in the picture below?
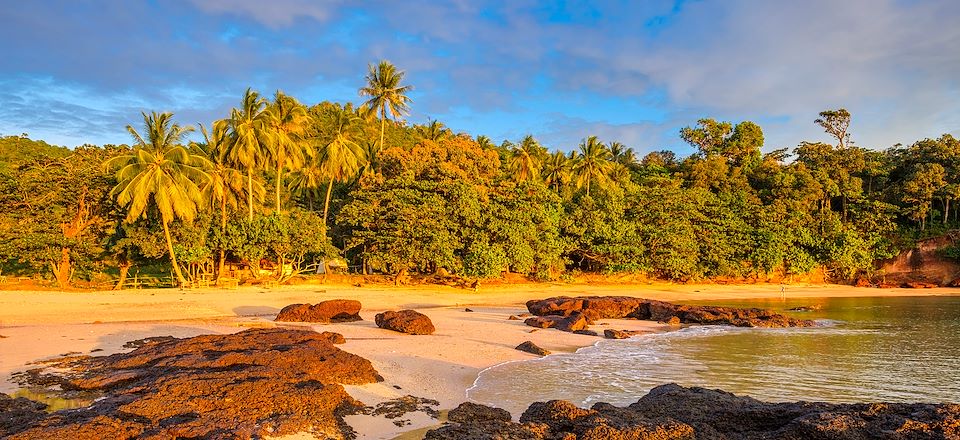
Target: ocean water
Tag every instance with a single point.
(904, 349)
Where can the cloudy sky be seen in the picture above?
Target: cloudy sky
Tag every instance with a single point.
(78, 71)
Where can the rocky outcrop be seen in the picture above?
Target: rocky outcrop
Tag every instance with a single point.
(674, 412)
(611, 307)
(571, 323)
(250, 384)
(335, 310)
(530, 347)
(405, 321)
(924, 264)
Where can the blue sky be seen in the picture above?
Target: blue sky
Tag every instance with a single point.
(79, 71)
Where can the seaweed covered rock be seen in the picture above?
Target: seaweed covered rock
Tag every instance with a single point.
(672, 412)
(405, 321)
(335, 310)
(250, 384)
(601, 307)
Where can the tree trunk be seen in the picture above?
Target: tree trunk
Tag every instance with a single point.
(62, 269)
(279, 179)
(383, 118)
(124, 269)
(223, 230)
(946, 209)
(326, 206)
(173, 257)
(250, 193)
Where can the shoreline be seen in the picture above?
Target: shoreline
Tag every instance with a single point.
(45, 324)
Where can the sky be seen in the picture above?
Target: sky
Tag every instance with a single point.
(79, 71)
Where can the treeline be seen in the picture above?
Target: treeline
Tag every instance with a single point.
(294, 186)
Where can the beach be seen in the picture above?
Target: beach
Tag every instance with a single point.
(38, 325)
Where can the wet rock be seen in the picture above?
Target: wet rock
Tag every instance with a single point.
(530, 347)
(468, 412)
(674, 412)
(405, 321)
(18, 412)
(813, 308)
(610, 333)
(250, 384)
(587, 332)
(638, 308)
(335, 310)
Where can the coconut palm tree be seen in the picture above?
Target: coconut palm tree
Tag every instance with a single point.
(485, 143)
(287, 120)
(556, 170)
(387, 96)
(162, 173)
(306, 180)
(249, 138)
(592, 164)
(341, 158)
(622, 155)
(224, 188)
(525, 159)
(434, 131)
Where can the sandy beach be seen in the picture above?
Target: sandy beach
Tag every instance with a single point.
(38, 325)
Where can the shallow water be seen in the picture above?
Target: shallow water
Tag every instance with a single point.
(904, 349)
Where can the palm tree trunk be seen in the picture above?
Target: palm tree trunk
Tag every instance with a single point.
(279, 179)
(326, 207)
(250, 193)
(223, 229)
(173, 257)
(588, 186)
(383, 118)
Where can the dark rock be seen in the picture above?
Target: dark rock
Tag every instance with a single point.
(610, 333)
(334, 338)
(918, 285)
(674, 412)
(542, 321)
(812, 308)
(513, 318)
(586, 332)
(469, 412)
(210, 386)
(335, 310)
(637, 308)
(467, 310)
(405, 321)
(18, 413)
(532, 348)
(572, 323)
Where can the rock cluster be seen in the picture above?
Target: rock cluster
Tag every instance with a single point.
(335, 310)
(674, 412)
(256, 383)
(591, 308)
(405, 321)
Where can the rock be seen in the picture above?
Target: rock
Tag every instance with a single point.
(405, 321)
(674, 321)
(335, 310)
(542, 321)
(572, 323)
(334, 338)
(610, 333)
(467, 310)
(471, 412)
(532, 348)
(210, 386)
(813, 308)
(586, 332)
(672, 412)
(513, 318)
(603, 307)
(918, 285)
(17, 413)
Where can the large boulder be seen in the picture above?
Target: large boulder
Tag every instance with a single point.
(672, 412)
(252, 384)
(551, 309)
(405, 321)
(335, 310)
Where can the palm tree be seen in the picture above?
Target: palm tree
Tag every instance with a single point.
(525, 159)
(485, 143)
(434, 131)
(556, 170)
(386, 94)
(622, 155)
(161, 172)
(307, 179)
(341, 158)
(249, 135)
(592, 164)
(287, 119)
(224, 188)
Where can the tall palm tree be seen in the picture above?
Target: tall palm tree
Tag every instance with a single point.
(287, 120)
(341, 158)
(485, 143)
(622, 155)
(160, 172)
(224, 188)
(592, 163)
(249, 138)
(525, 160)
(556, 170)
(434, 131)
(306, 180)
(387, 96)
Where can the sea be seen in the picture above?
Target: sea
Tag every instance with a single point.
(872, 349)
